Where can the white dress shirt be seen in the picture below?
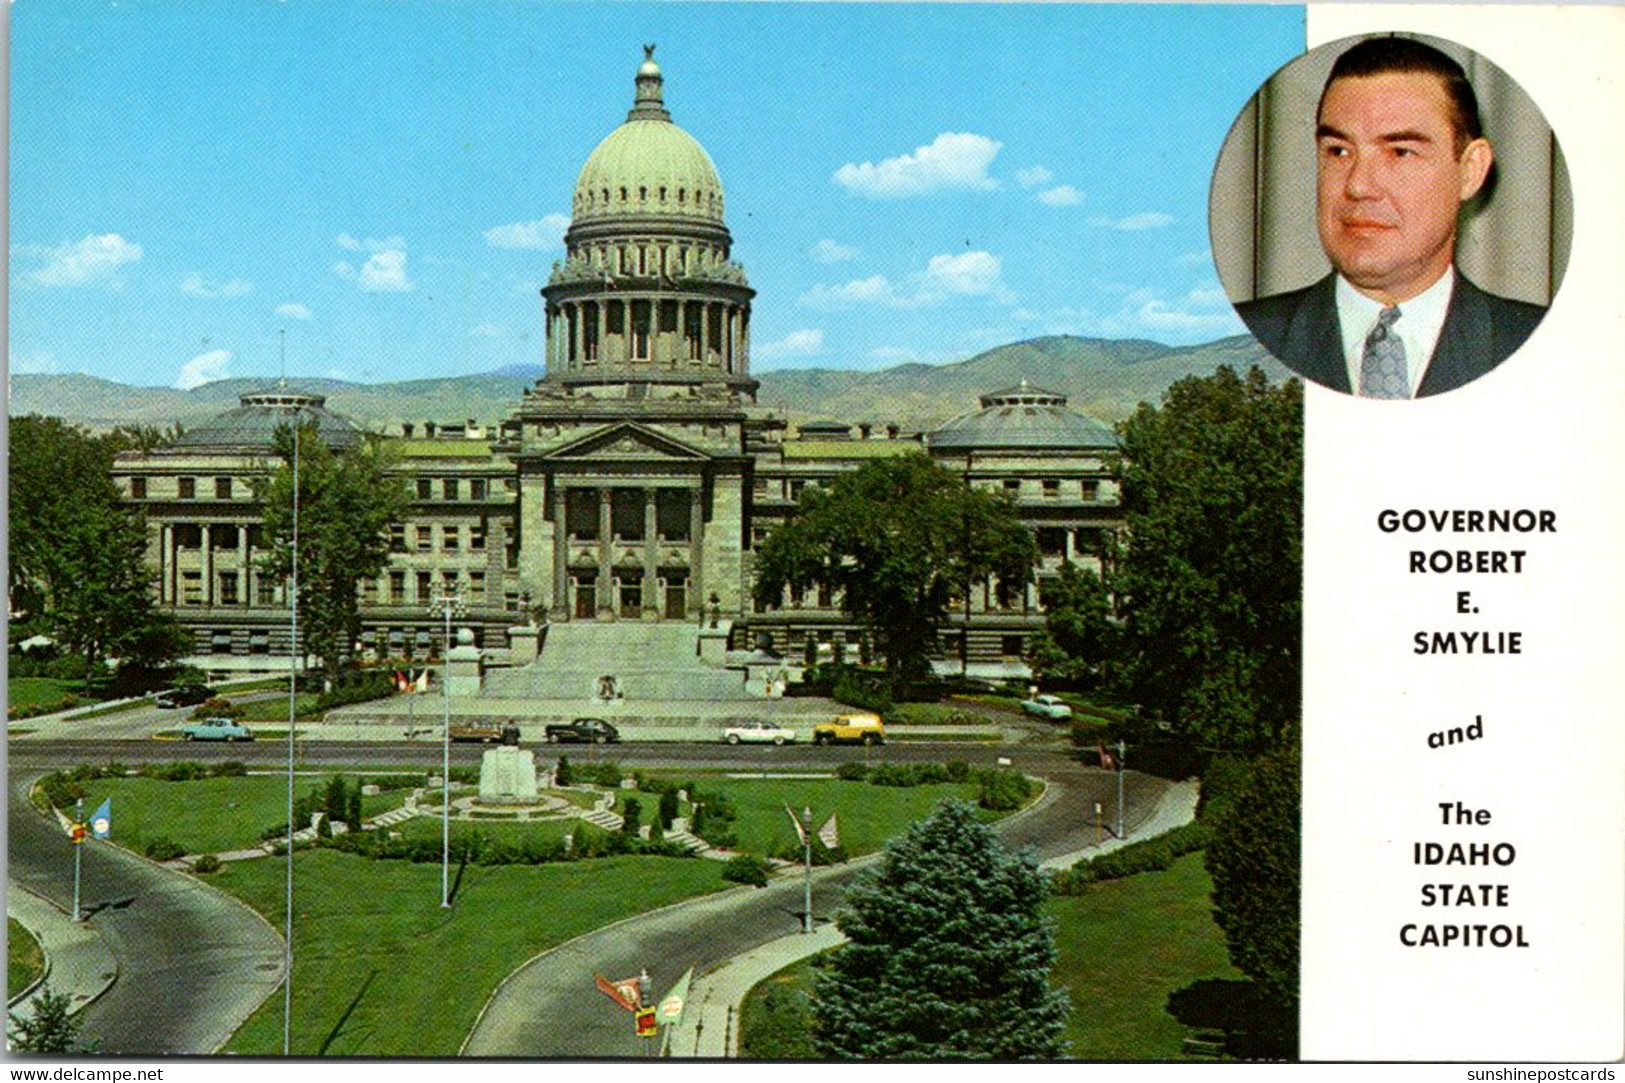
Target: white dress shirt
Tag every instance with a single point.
(1420, 321)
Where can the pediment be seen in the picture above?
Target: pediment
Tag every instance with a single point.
(626, 442)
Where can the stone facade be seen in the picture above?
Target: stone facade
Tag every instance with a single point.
(634, 481)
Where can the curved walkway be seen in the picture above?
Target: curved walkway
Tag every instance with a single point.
(191, 963)
(550, 1008)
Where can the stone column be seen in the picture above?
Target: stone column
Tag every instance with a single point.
(208, 566)
(656, 357)
(166, 564)
(603, 330)
(577, 332)
(696, 523)
(744, 341)
(561, 551)
(651, 555)
(682, 331)
(243, 567)
(705, 333)
(606, 556)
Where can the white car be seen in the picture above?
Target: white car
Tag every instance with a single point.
(1047, 707)
(762, 733)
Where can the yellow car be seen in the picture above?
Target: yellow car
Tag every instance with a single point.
(863, 729)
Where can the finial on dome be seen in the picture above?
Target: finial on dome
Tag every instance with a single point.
(649, 103)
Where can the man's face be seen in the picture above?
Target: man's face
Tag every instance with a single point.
(1391, 182)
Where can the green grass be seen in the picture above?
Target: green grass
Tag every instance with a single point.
(938, 714)
(25, 962)
(26, 692)
(209, 815)
(868, 815)
(493, 830)
(1125, 945)
(275, 709)
(381, 970)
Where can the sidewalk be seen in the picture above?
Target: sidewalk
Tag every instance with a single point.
(710, 1024)
(77, 962)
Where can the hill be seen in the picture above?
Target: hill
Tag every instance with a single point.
(1105, 378)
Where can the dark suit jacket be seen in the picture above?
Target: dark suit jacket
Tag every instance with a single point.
(1480, 331)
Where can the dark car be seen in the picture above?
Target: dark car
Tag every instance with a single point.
(593, 731)
(187, 695)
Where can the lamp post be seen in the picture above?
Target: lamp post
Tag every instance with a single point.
(446, 605)
(806, 846)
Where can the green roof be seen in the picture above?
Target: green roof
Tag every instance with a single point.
(438, 449)
(849, 449)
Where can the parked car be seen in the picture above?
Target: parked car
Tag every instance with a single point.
(490, 733)
(758, 733)
(216, 729)
(587, 730)
(863, 729)
(187, 695)
(1049, 707)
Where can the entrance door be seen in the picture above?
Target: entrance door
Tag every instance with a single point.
(676, 597)
(631, 587)
(586, 596)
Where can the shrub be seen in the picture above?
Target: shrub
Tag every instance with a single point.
(606, 774)
(206, 864)
(1148, 855)
(631, 816)
(179, 771)
(564, 774)
(357, 688)
(218, 707)
(228, 769)
(747, 869)
(957, 770)
(1003, 791)
(164, 848)
(668, 808)
(852, 772)
(854, 691)
(908, 774)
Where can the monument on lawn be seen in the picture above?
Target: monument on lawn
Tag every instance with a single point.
(508, 772)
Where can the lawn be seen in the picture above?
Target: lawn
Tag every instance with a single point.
(1124, 947)
(25, 962)
(209, 815)
(380, 970)
(26, 692)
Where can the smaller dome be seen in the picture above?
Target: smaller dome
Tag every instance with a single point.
(1023, 416)
(253, 424)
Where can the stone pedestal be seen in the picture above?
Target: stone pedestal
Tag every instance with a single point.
(508, 777)
(523, 644)
(465, 667)
(714, 642)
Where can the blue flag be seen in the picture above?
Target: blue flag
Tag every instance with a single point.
(101, 824)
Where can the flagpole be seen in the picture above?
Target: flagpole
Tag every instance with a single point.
(78, 849)
(293, 694)
(1121, 748)
(806, 846)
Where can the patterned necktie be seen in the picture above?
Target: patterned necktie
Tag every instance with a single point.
(1382, 364)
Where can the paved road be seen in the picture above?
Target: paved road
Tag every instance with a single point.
(192, 963)
(549, 1007)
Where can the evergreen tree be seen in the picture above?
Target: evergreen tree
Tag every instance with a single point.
(49, 1028)
(949, 957)
(631, 816)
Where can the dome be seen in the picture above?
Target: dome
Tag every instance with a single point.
(1022, 417)
(648, 166)
(260, 413)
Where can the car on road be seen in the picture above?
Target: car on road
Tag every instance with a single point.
(593, 731)
(861, 729)
(489, 733)
(216, 729)
(1049, 707)
(760, 733)
(187, 695)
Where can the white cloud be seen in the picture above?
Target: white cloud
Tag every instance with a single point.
(1135, 222)
(384, 272)
(292, 311)
(964, 274)
(1062, 195)
(541, 234)
(954, 160)
(34, 361)
(93, 258)
(202, 369)
(1201, 256)
(1034, 177)
(1202, 311)
(371, 244)
(828, 251)
(485, 330)
(807, 342)
(194, 285)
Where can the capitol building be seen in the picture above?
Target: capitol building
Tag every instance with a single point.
(634, 481)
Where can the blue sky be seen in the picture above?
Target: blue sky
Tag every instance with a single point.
(386, 182)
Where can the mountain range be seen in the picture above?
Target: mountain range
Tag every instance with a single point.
(1105, 378)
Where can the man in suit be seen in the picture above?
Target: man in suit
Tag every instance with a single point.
(1399, 148)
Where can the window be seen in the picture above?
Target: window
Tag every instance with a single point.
(448, 582)
(450, 537)
(228, 588)
(425, 535)
(476, 489)
(476, 586)
(1012, 488)
(397, 537)
(188, 488)
(222, 488)
(191, 588)
(138, 488)
(1091, 491)
(265, 590)
(1052, 541)
(1052, 488)
(448, 488)
(425, 587)
(425, 489)
(397, 588)
(476, 538)
(1010, 646)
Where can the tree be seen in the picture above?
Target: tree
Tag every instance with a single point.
(78, 558)
(948, 956)
(1080, 631)
(1254, 862)
(1210, 581)
(49, 1028)
(900, 539)
(347, 503)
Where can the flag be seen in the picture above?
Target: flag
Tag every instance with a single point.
(624, 992)
(400, 681)
(671, 1005)
(1106, 760)
(830, 833)
(423, 680)
(101, 824)
(801, 832)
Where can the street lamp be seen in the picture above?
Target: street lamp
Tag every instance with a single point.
(446, 605)
(806, 845)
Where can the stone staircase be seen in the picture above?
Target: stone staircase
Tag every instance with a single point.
(652, 663)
